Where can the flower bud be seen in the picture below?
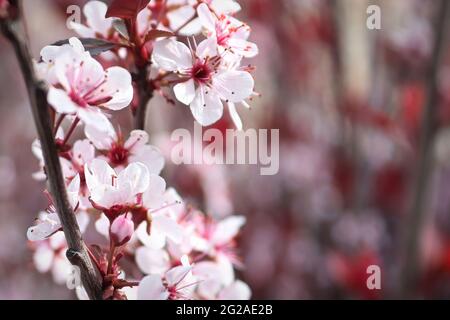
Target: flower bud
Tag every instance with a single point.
(121, 230)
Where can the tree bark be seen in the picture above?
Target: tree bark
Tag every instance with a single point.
(77, 253)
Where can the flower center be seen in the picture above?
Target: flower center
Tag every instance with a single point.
(78, 99)
(201, 72)
(118, 155)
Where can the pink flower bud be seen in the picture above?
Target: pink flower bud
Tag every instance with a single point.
(122, 229)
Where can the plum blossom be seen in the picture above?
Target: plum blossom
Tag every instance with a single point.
(184, 19)
(119, 152)
(176, 284)
(228, 33)
(49, 223)
(203, 83)
(80, 86)
(97, 25)
(215, 284)
(114, 192)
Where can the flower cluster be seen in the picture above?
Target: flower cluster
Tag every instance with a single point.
(113, 180)
(204, 76)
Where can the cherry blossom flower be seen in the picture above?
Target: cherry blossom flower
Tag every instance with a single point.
(97, 25)
(49, 223)
(120, 153)
(215, 283)
(114, 192)
(184, 18)
(80, 86)
(228, 32)
(176, 284)
(203, 83)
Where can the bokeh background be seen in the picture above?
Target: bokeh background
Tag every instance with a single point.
(360, 183)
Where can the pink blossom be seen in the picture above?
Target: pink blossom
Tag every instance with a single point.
(122, 229)
(228, 33)
(119, 153)
(80, 86)
(204, 82)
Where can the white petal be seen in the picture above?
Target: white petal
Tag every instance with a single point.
(172, 55)
(95, 12)
(61, 269)
(178, 274)
(206, 17)
(73, 190)
(83, 152)
(102, 226)
(207, 48)
(235, 116)
(48, 224)
(137, 139)
(168, 227)
(93, 117)
(151, 157)
(225, 6)
(43, 258)
(243, 47)
(152, 288)
(185, 92)
(98, 172)
(152, 261)
(180, 16)
(83, 219)
(118, 87)
(227, 229)
(206, 107)
(234, 86)
(137, 174)
(60, 101)
(82, 30)
(102, 139)
(238, 290)
(155, 240)
(153, 197)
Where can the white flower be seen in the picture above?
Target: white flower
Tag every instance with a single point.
(80, 86)
(215, 283)
(228, 33)
(204, 82)
(97, 25)
(48, 223)
(176, 284)
(184, 15)
(152, 261)
(109, 189)
(238, 290)
(120, 153)
(164, 225)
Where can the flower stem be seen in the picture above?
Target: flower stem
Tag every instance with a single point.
(77, 252)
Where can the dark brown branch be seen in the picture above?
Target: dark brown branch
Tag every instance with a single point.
(416, 217)
(77, 253)
(145, 95)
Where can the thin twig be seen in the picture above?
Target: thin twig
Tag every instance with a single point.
(410, 268)
(77, 252)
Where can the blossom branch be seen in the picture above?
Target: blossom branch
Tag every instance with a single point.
(77, 252)
(425, 166)
(145, 95)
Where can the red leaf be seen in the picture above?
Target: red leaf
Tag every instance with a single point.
(126, 9)
(155, 33)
